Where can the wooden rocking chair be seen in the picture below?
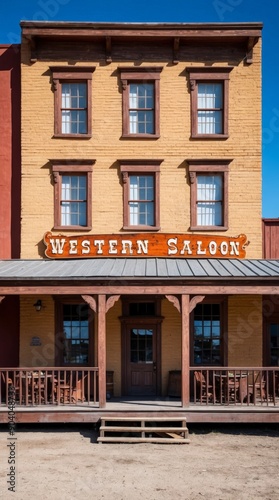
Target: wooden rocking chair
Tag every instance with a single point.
(205, 390)
(257, 388)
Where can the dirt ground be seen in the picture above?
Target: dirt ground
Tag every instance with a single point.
(64, 462)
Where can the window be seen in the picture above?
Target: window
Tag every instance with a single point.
(209, 194)
(209, 102)
(140, 102)
(72, 101)
(274, 344)
(72, 194)
(75, 344)
(207, 330)
(141, 194)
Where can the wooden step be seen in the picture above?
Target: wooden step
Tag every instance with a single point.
(150, 429)
(121, 439)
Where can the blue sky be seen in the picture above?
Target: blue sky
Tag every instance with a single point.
(12, 11)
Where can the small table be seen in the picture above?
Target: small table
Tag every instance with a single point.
(232, 387)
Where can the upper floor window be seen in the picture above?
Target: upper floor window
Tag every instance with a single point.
(209, 102)
(141, 194)
(72, 194)
(140, 106)
(209, 194)
(72, 101)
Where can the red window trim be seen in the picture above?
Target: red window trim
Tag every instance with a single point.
(63, 74)
(202, 75)
(71, 167)
(146, 74)
(210, 167)
(128, 167)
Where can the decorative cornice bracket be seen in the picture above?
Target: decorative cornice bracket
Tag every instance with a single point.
(194, 301)
(192, 176)
(33, 48)
(111, 301)
(90, 301)
(175, 301)
(176, 43)
(249, 51)
(108, 50)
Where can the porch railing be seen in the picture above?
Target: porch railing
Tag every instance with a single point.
(52, 385)
(235, 386)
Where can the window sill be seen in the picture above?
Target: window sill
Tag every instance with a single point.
(140, 136)
(210, 136)
(72, 136)
(141, 228)
(209, 228)
(72, 228)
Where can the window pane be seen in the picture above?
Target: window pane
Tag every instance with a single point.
(210, 95)
(274, 344)
(141, 122)
(73, 200)
(141, 95)
(141, 204)
(76, 334)
(141, 99)
(209, 214)
(210, 108)
(74, 104)
(207, 334)
(74, 95)
(141, 345)
(209, 200)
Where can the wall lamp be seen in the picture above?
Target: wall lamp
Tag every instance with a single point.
(38, 305)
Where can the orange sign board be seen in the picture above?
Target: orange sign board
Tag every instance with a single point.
(144, 245)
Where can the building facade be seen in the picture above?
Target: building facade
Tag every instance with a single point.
(141, 222)
(10, 192)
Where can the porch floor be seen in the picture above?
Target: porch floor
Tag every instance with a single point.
(127, 407)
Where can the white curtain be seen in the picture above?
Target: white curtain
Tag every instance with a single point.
(66, 103)
(210, 104)
(209, 200)
(66, 206)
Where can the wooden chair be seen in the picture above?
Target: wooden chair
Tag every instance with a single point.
(205, 390)
(257, 388)
(63, 390)
(78, 393)
(39, 388)
(8, 383)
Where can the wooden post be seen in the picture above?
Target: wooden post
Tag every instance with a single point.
(101, 320)
(185, 361)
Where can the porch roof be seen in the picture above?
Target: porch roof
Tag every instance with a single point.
(141, 269)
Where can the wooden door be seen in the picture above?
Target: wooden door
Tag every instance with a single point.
(141, 357)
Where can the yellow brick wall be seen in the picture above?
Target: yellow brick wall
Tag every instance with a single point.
(170, 342)
(114, 345)
(37, 324)
(174, 146)
(245, 330)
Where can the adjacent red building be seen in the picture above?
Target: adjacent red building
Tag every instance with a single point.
(10, 193)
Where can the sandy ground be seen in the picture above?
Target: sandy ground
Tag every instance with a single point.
(65, 462)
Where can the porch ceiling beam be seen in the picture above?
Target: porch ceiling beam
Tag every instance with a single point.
(203, 289)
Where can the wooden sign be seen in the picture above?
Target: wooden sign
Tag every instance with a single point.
(144, 245)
